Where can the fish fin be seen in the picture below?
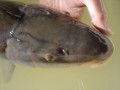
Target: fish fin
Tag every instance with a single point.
(8, 69)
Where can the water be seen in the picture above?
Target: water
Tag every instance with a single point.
(105, 77)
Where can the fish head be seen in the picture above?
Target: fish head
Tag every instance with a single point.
(52, 39)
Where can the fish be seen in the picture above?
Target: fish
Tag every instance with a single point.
(37, 36)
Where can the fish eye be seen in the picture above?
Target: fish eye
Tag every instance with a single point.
(63, 51)
(49, 57)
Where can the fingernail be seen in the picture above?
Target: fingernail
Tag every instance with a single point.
(109, 31)
(102, 26)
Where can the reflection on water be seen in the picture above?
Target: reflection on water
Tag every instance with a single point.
(105, 77)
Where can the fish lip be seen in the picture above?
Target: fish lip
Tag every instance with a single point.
(74, 59)
(110, 48)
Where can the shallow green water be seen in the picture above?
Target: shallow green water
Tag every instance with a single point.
(106, 77)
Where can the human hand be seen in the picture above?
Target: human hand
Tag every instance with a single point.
(76, 7)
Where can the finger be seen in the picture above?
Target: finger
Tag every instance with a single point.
(70, 6)
(64, 6)
(75, 12)
(98, 15)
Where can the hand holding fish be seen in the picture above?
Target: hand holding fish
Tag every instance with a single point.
(75, 9)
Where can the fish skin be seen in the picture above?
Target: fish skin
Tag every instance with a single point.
(36, 36)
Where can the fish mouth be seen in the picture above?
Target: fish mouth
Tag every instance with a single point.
(68, 59)
(100, 58)
(75, 59)
(110, 48)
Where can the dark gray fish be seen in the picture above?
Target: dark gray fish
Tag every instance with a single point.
(37, 36)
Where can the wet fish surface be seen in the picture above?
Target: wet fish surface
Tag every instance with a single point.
(37, 36)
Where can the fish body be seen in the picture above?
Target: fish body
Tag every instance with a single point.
(37, 36)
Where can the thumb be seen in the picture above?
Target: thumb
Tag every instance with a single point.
(98, 15)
